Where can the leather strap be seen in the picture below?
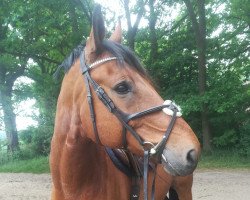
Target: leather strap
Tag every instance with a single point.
(161, 145)
(90, 100)
(135, 186)
(145, 112)
(153, 183)
(145, 174)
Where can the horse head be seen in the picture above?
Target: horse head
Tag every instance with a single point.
(126, 110)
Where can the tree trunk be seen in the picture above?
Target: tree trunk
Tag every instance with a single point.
(7, 79)
(199, 27)
(9, 122)
(206, 135)
(132, 30)
(153, 37)
(131, 39)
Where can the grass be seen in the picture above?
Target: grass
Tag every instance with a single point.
(224, 160)
(36, 165)
(215, 160)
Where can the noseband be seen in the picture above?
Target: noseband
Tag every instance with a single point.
(150, 149)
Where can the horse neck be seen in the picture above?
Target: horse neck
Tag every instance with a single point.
(86, 169)
(85, 160)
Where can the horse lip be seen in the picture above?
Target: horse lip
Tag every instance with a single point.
(168, 167)
(176, 169)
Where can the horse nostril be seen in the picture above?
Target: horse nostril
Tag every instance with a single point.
(192, 157)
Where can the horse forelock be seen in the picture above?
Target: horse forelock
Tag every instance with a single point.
(123, 53)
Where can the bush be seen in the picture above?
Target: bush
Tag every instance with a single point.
(228, 139)
(36, 141)
(6, 157)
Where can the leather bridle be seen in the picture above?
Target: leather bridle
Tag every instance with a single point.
(150, 149)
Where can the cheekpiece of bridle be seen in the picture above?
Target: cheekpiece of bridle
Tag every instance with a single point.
(150, 150)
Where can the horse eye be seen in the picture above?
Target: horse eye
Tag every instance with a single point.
(122, 88)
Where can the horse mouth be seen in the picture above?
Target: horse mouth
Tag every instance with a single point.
(176, 168)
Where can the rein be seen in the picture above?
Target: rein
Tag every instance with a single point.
(150, 150)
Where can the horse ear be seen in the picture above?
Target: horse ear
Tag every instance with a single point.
(117, 34)
(94, 42)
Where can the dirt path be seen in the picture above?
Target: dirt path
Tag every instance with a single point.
(222, 185)
(208, 185)
(24, 186)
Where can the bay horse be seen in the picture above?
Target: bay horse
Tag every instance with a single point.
(112, 128)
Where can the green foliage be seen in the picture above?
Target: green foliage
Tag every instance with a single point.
(43, 33)
(228, 139)
(175, 72)
(228, 104)
(36, 141)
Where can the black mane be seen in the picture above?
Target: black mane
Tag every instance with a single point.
(70, 60)
(123, 54)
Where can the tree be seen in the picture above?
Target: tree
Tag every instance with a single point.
(199, 26)
(152, 28)
(10, 70)
(228, 74)
(133, 28)
(43, 32)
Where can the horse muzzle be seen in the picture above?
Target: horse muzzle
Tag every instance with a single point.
(179, 165)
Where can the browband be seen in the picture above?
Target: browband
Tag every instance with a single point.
(98, 62)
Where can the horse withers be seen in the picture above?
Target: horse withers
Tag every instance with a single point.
(108, 104)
